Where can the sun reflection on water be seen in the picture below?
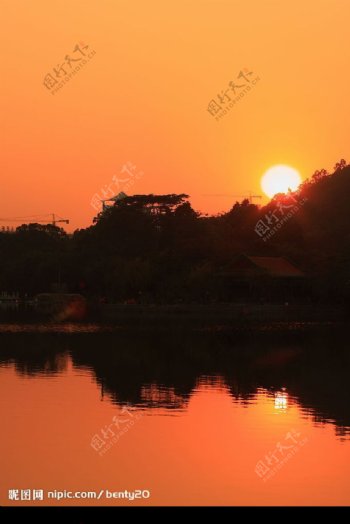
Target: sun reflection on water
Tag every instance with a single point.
(281, 400)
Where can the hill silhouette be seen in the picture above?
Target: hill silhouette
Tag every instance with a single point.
(156, 248)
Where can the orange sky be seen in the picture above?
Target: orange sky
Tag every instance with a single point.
(143, 98)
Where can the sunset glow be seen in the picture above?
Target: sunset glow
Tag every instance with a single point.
(124, 105)
(174, 253)
(280, 179)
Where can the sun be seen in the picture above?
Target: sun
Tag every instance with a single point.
(279, 179)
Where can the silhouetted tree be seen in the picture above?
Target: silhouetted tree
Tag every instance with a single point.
(157, 247)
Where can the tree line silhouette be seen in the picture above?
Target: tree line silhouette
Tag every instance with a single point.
(162, 368)
(157, 248)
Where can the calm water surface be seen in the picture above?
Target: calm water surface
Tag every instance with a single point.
(205, 418)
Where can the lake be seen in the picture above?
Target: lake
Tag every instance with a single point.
(174, 417)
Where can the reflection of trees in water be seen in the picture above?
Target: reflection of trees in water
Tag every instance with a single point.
(155, 396)
(162, 369)
(34, 354)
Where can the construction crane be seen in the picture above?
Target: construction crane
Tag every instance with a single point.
(38, 219)
(248, 196)
(251, 197)
(59, 220)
